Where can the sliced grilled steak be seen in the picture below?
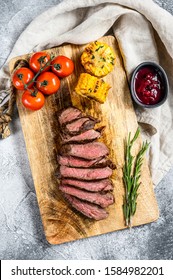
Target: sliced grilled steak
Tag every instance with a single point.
(94, 186)
(87, 174)
(90, 210)
(80, 125)
(68, 115)
(87, 151)
(83, 163)
(102, 199)
(76, 162)
(86, 136)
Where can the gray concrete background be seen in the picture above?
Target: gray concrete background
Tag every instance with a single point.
(21, 233)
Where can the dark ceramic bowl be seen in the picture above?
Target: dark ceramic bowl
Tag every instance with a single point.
(163, 78)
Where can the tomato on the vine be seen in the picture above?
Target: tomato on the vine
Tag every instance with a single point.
(62, 66)
(48, 83)
(21, 77)
(33, 99)
(38, 60)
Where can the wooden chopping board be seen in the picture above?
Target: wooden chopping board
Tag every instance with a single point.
(61, 222)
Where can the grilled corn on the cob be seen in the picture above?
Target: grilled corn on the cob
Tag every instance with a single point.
(92, 87)
(98, 59)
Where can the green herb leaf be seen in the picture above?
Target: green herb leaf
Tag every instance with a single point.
(131, 177)
(57, 66)
(44, 83)
(34, 93)
(100, 47)
(20, 76)
(42, 59)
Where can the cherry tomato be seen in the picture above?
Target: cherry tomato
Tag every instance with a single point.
(62, 66)
(38, 60)
(48, 83)
(21, 77)
(33, 99)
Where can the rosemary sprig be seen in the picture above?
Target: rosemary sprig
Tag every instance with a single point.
(131, 177)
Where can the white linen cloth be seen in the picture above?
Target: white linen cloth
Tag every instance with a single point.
(144, 32)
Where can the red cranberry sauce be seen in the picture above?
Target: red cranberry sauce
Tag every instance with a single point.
(148, 86)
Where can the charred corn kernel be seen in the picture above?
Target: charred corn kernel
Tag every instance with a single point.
(92, 87)
(98, 59)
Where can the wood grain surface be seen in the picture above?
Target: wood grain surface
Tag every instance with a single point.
(61, 222)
